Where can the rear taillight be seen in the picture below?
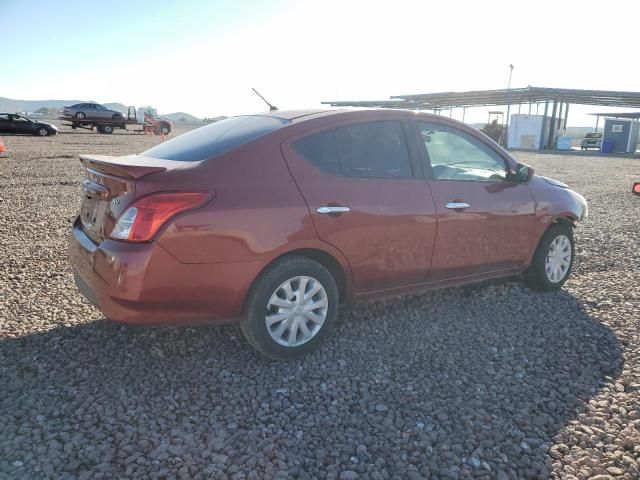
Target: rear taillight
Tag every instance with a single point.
(142, 220)
(636, 188)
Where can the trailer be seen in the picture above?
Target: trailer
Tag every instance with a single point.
(148, 122)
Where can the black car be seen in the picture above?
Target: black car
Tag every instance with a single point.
(14, 123)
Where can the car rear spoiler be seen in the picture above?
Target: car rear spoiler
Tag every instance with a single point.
(130, 166)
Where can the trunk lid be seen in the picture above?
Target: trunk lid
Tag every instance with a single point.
(109, 187)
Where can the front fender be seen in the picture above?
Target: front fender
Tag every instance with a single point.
(555, 204)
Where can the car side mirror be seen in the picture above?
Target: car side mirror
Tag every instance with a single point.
(524, 173)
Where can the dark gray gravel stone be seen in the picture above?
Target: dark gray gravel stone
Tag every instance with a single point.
(483, 382)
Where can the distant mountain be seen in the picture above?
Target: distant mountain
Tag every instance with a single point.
(11, 106)
(214, 119)
(181, 117)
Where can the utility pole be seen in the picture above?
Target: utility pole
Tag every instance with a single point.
(508, 105)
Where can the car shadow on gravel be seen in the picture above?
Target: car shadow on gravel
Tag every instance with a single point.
(450, 384)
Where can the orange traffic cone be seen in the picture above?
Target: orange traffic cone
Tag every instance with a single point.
(1, 146)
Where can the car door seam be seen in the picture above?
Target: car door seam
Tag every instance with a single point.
(315, 228)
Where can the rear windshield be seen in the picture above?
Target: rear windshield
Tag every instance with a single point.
(216, 138)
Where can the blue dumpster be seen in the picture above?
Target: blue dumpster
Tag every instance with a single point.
(607, 145)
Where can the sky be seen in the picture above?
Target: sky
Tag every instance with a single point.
(202, 57)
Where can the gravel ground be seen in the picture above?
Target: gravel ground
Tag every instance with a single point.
(491, 381)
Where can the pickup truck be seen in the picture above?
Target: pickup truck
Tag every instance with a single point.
(591, 140)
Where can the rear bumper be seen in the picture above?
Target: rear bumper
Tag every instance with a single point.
(142, 283)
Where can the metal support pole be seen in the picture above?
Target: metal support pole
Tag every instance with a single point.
(566, 116)
(552, 125)
(519, 107)
(559, 119)
(529, 108)
(597, 121)
(544, 123)
(509, 102)
(450, 111)
(537, 107)
(464, 111)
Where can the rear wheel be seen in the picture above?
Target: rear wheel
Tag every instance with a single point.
(107, 129)
(164, 129)
(117, 117)
(553, 259)
(80, 115)
(290, 308)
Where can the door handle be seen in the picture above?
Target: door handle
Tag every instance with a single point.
(327, 209)
(457, 205)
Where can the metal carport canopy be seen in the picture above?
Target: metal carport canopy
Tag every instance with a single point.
(631, 115)
(481, 98)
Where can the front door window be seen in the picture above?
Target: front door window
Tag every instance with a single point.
(455, 155)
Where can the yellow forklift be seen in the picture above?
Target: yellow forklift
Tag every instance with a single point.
(495, 128)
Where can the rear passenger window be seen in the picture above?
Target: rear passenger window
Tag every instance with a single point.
(375, 149)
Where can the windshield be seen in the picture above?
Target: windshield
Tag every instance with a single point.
(217, 138)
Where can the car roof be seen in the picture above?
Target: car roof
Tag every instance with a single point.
(296, 116)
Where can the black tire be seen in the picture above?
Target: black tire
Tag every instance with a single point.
(107, 129)
(165, 130)
(42, 132)
(536, 275)
(253, 323)
(80, 115)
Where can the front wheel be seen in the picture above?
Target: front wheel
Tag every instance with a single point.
(553, 259)
(290, 308)
(42, 132)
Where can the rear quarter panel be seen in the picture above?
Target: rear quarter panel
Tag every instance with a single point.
(257, 212)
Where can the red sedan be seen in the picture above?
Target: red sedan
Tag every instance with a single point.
(273, 220)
